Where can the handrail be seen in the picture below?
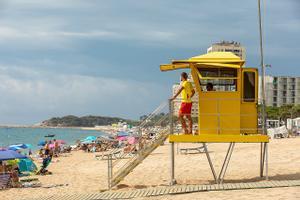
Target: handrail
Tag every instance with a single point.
(138, 158)
(118, 169)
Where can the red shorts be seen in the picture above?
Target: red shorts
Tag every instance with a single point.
(185, 108)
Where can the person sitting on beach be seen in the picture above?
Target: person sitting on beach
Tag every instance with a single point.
(14, 174)
(187, 92)
(41, 153)
(67, 149)
(130, 148)
(2, 167)
(93, 149)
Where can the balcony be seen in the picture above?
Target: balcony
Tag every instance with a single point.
(284, 100)
(284, 87)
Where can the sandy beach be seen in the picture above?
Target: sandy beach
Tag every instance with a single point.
(80, 172)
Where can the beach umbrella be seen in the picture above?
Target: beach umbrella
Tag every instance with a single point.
(91, 138)
(131, 140)
(16, 147)
(61, 142)
(87, 142)
(10, 155)
(41, 143)
(122, 134)
(105, 138)
(122, 138)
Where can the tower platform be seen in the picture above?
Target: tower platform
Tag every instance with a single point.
(214, 138)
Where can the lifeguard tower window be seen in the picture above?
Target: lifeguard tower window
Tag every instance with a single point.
(223, 79)
(249, 86)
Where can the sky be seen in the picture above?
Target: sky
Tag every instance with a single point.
(96, 57)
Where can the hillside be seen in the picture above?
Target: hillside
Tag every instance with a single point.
(85, 121)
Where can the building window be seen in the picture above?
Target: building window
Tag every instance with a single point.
(284, 93)
(284, 100)
(284, 87)
(293, 100)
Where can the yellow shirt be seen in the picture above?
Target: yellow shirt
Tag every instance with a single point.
(186, 93)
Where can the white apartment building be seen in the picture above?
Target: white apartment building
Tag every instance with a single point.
(234, 47)
(281, 90)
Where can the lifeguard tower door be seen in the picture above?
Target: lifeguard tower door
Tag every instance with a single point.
(249, 122)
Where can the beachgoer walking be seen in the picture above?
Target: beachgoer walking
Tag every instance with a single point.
(30, 153)
(56, 148)
(187, 92)
(47, 148)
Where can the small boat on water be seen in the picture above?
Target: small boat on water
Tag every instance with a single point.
(50, 135)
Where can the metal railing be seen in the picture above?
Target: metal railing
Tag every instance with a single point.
(118, 169)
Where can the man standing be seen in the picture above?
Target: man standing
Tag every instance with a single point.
(187, 92)
(56, 148)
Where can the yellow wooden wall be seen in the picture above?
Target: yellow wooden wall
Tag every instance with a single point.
(225, 112)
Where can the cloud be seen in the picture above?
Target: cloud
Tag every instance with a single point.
(67, 56)
(157, 23)
(39, 95)
(55, 22)
(50, 4)
(13, 33)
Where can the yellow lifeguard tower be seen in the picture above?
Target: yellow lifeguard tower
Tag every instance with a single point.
(229, 113)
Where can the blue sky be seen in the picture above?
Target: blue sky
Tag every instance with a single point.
(81, 57)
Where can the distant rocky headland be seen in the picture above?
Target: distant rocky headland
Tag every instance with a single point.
(85, 121)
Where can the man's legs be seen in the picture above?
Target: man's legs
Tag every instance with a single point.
(183, 124)
(190, 124)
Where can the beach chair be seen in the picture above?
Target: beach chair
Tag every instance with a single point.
(129, 152)
(5, 181)
(43, 170)
(115, 153)
(192, 150)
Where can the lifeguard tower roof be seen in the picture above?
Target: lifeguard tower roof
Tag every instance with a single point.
(213, 59)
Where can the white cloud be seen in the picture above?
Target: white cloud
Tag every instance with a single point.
(47, 3)
(182, 25)
(17, 33)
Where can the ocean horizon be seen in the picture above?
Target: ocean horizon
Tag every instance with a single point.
(33, 135)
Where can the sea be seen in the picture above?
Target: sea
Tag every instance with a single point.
(32, 136)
